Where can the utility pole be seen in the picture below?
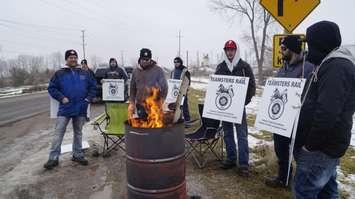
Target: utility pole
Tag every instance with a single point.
(198, 59)
(122, 57)
(84, 44)
(179, 36)
(187, 58)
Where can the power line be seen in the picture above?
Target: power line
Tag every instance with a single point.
(84, 6)
(73, 11)
(37, 26)
(38, 35)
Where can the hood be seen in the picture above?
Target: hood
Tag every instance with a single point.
(322, 38)
(341, 52)
(235, 60)
(112, 59)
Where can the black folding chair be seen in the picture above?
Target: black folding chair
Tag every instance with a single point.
(204, 139)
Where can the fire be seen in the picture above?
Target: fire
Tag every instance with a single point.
(153, 105)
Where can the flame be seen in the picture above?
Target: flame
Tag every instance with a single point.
(153, 105)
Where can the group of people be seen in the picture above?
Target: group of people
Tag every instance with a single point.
(325, 121)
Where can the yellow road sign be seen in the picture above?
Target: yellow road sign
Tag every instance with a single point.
(290, 13)
(276, 51)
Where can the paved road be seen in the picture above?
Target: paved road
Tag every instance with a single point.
(13, 108)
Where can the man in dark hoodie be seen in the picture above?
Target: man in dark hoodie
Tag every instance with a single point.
(325, 123)
(146, 76)
(116, 72)
(176, 74)
(291, 50)
(233, 65)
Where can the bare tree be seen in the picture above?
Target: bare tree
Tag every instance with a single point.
(259, 21)
(57, 60)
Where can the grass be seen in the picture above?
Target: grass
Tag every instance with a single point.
(194, 97)
(348, 162)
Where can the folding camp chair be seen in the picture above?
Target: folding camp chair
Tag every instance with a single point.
(204, 139)
(113, 122)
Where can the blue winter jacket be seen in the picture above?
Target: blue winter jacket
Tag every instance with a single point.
(77, 85)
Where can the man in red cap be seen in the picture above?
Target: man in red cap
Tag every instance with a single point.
(233, 65)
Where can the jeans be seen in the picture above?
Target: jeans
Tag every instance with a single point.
(185, 109)
(315, 175)
(242, 137)
(60, 129)
(282, 149)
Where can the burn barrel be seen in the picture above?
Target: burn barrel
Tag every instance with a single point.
(155, 162)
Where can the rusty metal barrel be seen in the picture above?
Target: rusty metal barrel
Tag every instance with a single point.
(155, 162)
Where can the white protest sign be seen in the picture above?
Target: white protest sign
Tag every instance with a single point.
(54, 106)
(173, 91)
(279, 105)
(113, 90)
(225, 98)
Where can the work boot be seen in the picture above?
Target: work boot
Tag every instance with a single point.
(243, 172)
(80, 160)
(227, 164)
(51, 164)
(275, 182)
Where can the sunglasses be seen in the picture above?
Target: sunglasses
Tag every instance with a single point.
(145, 59)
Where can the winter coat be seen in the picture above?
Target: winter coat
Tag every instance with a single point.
(176, 73)
(241, 68)
(145, 79)
(326, 117)
(294, 70)
(75, 84)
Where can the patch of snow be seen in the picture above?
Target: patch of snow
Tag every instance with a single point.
(252, 107)
(346, 183)
(200, 79)
(199, 85)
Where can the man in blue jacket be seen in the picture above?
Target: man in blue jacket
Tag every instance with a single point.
(74, 89)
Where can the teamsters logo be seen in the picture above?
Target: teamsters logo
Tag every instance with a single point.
(175, 91)
(112, 89)
(224, 97)
(277, 104)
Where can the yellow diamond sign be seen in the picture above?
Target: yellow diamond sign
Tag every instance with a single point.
(289, 13)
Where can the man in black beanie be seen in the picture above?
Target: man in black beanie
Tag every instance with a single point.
(291, 50)
(73, 88)
(325, 122)
(177, 73)
(146, 76)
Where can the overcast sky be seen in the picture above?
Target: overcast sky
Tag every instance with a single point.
(113, 26)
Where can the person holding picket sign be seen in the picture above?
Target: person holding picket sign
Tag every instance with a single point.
(233, 65)
(294, 67)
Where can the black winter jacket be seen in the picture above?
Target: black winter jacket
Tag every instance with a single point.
(241, 69)
(327, 115)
